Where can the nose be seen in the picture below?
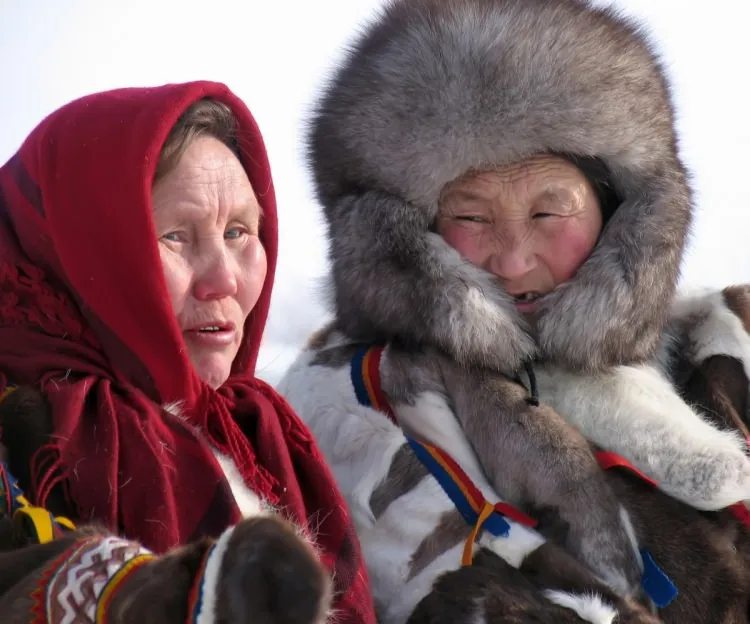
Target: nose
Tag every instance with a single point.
(216, 276)
(512, 255)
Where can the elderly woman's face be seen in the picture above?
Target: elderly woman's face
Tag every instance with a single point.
(532, 225)
(207, 216)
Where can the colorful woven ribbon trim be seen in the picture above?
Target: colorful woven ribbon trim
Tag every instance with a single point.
(80, 584)
(115, 584)
(476, 510)
(468, 499)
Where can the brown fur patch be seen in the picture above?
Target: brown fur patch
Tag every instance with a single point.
(737, 299)
(404, 474)
(319, 338)
(450, 531)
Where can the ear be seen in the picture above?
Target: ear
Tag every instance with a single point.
(271, 574)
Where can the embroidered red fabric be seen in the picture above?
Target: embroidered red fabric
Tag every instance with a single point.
(84, 312)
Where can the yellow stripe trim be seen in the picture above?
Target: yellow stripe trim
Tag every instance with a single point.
(42, 521)
(436, 456)
(119, 577)
(468, 555)
(7, 392)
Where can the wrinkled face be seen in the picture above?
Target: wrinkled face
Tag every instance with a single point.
(207, 217)
(532, 225)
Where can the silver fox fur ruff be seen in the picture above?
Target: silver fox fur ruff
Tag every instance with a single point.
(436, 88)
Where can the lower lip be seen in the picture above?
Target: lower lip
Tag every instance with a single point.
(221, 338)
(526, 307)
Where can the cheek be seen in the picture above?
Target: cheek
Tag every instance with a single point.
(465, 239)
(254, 269)
(568, 249)
(177, 277)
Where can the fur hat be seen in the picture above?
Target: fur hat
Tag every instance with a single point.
(433, 89)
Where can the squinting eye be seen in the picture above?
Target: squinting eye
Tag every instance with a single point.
(472, 218)
(543, 215)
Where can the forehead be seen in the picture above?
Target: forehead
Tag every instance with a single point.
(534, 175)
(207, 177)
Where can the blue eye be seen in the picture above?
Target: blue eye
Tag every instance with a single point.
(235, 233)
(173, 237)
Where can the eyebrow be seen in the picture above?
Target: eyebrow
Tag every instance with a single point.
(551, 193)
(465, 194)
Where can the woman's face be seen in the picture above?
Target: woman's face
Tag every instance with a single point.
(207, 217)
(532, 224)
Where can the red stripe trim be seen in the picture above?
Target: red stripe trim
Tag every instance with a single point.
(372, 374)
(741, 512)
(515, 514)
(472, 493)
(609, 460)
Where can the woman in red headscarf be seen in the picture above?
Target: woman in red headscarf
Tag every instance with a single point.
(138, 240)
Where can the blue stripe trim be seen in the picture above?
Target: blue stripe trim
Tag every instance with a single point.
(357, 375)
(656, 583)
(495, 524)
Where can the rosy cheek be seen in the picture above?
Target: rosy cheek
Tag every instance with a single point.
(255, 265)
(465, 239)
(570, 248)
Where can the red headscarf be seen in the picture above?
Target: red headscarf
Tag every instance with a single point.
(84, 311)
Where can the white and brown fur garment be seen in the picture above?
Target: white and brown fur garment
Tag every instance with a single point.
(432, 90)
(412, 534)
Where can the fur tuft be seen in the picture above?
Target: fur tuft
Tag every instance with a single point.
(436, 88)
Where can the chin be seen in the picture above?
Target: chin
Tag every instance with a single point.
(213, 374)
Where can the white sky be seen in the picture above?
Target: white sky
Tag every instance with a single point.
(274, 54)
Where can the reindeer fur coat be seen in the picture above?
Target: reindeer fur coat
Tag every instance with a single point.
(432, 90)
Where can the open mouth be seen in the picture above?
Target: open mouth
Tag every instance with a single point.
(527, 297)
(218, 334)
(212, 329)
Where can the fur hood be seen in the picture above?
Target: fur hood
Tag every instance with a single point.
(435, 88)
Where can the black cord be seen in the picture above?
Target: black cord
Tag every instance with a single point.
(534, 398)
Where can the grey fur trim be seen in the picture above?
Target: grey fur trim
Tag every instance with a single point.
(435, 88)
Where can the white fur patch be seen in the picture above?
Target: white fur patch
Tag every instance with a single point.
(209, 589)
(590, 608)
(519, 544)
(475, 320)
(248, 501)
(717, 330)
(480, 613)
(359, 443)
(635, 412)
(389, 546)
(630, 532)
